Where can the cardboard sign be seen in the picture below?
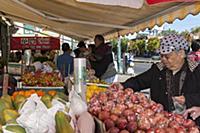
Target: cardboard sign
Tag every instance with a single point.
(35, 43)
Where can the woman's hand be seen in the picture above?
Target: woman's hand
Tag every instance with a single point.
(180, 99)
(194, 112)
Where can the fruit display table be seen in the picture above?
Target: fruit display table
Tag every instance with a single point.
(126, 111)
(60, 89)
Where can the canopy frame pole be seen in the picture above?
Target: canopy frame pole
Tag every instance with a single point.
(119, 60)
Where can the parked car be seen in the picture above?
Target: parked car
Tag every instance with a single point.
(155, 57)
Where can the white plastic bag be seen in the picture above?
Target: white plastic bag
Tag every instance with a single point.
(77, 105)
(36, 119)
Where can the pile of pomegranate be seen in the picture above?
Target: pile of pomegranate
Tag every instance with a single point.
(123, 111)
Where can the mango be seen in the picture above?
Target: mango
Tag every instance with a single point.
(20, 99)
(8, 99)
(15, 129)
(10, 115)
(62, 96)
(46, 99)
(63, 123)
(3, 105)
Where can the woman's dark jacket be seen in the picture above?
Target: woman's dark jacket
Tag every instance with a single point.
(155, 79)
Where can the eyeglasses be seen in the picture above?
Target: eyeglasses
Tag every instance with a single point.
(166, 56)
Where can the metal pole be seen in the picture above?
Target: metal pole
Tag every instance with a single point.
(120, 70)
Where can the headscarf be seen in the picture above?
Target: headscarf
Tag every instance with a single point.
(173, 42)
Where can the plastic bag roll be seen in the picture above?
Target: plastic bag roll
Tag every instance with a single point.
(80, 76)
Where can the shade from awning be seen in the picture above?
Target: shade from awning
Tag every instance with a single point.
(84, 20)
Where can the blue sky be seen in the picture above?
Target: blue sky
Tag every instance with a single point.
(186, 24)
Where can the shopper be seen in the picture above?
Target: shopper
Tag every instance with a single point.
(195, 54)
(65, 62)
(102, 60)
(174, 81)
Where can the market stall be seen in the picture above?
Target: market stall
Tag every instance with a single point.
(113, 110)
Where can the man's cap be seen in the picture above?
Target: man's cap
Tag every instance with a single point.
(173, 42)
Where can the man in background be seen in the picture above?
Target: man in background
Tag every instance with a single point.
(65, 62)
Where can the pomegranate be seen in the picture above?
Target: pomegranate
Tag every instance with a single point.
(140, 131)
(181, 129)
(178, 118)
(129, 103)
(132, 117)
(124, 131)
(102, 97)
(137, 108)
(104, 115)
(157, 108)
(150, 130)
(163, 122)
(127, 112)
(188, 123)
(160, 130)
(145, 104)
(144, 123)
(109, 124)
(113, 130)
(128, 91)
(147, 113)
(121, 123)
(132, 126)
(116, 110)
(170, 130)
(134, 98)
(158, 116)
(114, 117)
(173, 124)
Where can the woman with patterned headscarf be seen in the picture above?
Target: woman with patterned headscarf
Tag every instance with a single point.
(174, 82)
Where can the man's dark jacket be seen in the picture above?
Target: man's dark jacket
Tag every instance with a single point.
(155, 79)
(103, 56)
